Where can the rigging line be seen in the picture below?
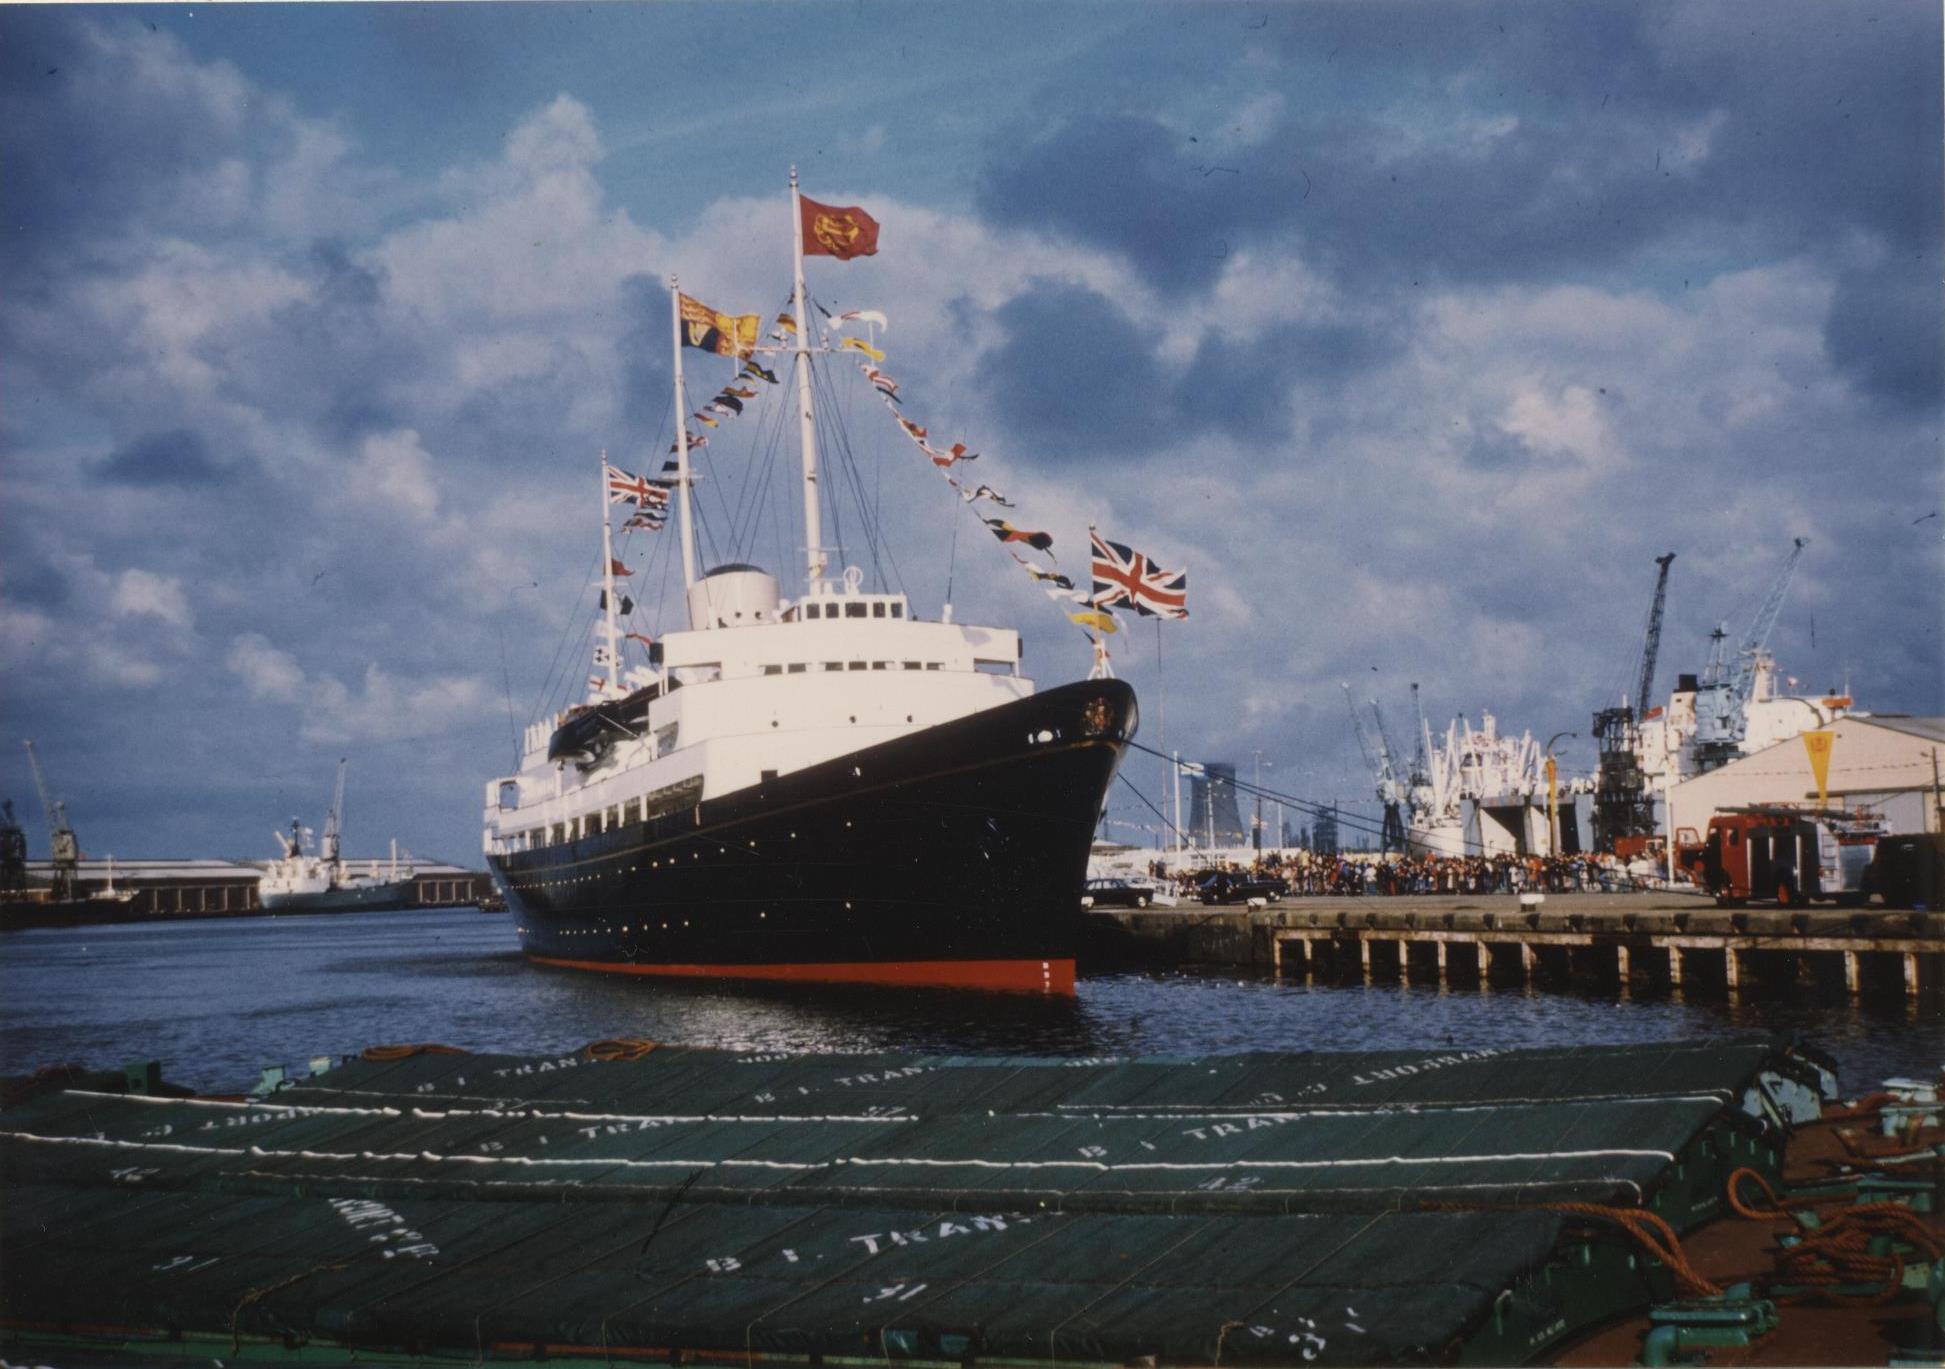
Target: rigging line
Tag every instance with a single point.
(952, 556)
(848, 463)
(550, 682)
(506, 684)
(882, 550)
(1315, 807)
(1168, 826)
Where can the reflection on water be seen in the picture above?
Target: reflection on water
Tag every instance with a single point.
(216, 1000)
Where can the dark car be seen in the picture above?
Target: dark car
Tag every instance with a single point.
(1120, 893)
(1230, 886)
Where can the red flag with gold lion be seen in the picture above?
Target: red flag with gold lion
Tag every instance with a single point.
(843, 233)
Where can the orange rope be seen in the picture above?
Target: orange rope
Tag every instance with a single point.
(1837, 1250)
(386, 1054)
(1654, 1235)
(1776, 1210)
(620, 1048)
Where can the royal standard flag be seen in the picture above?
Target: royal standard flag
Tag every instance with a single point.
(727, 335)
(841, 231)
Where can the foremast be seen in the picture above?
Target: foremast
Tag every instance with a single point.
(814, 559)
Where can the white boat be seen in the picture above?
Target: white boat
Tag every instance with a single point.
(307, 881)
(814, 786)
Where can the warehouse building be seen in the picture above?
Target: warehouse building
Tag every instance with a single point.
(1887, 763)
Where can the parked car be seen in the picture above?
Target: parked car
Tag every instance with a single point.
(1122, 893)
(1233, 886)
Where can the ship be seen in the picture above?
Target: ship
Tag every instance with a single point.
(303, 881)
(819, 786)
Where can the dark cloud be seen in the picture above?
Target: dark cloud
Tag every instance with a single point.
(1108, 393)
(1557, 141)
(1074, 374)
(176, 457)
(1889, 337)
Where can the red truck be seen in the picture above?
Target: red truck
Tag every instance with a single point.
(1788, 855)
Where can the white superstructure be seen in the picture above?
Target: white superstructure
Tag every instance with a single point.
(757, 687)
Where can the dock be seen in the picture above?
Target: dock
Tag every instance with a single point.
(681, 1205)
(1619, 941)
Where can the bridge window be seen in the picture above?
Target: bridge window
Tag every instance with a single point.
(898, 610)
(812, 611)
(877, 610)
(854, 610)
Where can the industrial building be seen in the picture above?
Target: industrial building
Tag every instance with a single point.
(1889, 763)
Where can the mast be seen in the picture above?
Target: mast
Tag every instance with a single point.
(806, 421)
(609, 628)
(682, 446)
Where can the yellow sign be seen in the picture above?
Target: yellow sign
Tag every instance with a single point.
(1818, 744)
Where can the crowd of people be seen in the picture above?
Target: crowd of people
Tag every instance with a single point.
(1309, 872)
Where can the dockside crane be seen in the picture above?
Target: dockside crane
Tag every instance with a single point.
(63, 847)
(1391, 835)
(334, 822)
(1722, 697)
(1622, 805)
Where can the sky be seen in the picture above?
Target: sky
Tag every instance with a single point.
(1414, 332)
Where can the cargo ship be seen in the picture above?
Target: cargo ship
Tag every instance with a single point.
(304, 882)
(818, 787)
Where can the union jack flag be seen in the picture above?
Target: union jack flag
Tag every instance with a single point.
(635, 489)
(1124, 577)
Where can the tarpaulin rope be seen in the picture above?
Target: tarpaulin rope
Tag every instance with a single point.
(619, 1048)
(385, 1054)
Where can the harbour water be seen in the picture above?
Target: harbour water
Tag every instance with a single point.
(217, 1000)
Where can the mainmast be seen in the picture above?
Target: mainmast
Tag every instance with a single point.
(682, 446)
(609, 627)
(807, 425)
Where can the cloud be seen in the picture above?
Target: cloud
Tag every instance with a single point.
(141, 593)
(383, 708)
(178, 456)
(266, 672)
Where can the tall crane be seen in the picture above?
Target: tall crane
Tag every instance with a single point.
(1622, 806)
(1392, 833)
(334, 822)
(1722, 697)
(63, 847)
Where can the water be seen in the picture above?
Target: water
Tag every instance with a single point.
(216, 1000)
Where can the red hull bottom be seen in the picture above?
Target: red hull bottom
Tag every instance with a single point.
(1015, 976)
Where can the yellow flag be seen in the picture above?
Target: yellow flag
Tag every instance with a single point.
(1818, 744)
(1094, 618)
(855, 344)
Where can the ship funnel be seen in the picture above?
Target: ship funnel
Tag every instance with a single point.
(735, 595)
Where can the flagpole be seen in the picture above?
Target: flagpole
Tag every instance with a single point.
(682, 444)
(609, 628)
(1161, 696)
(806, 421)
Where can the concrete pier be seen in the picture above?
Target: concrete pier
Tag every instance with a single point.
(1620, 939)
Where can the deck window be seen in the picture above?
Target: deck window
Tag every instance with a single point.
(877, 610)
(833, 665)
(898, 610)
(797, 667)
(854, 610)
(881, 665)
(856, 665)
(773, 670)
(812, 611)
(631, 812)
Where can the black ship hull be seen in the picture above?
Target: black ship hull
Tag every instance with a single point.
(955, 855)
